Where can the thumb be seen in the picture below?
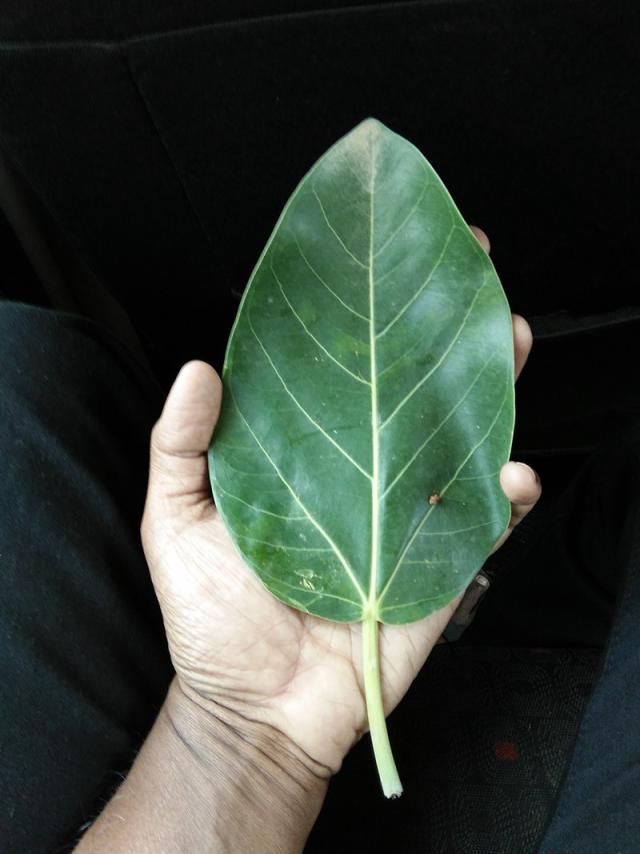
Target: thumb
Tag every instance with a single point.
(178, 474)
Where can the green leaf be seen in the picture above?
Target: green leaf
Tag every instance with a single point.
(369, 370)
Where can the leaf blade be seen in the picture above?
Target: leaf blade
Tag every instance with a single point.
(368, 361)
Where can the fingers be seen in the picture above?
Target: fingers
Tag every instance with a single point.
(522, 486)
(483, 240)
(180, 438)
(522, 341)
(519, 482)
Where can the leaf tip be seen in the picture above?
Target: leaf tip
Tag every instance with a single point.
(369, 129)
(360, 144)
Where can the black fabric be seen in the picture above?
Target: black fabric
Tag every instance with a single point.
(566, 560)
(481, 742)
(83, 660)
(484, 734)
(598, 804)
(146, 151)
(165, 138)
(54, 273)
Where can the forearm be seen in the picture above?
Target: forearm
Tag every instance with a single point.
(206, 782)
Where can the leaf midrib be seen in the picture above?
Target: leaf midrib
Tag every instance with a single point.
(372, 604)
(371, 601)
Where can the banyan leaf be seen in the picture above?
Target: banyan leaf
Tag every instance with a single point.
(368, 399)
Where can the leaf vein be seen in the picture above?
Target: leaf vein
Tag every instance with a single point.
(437, 429)
(295, 400)
(375, 417)
(302, 590)
(457, 530)
(406, 219)
(479, 476)
(450, 594)
(429, 373)
(281, 546)
(261, 509)
(411, 301)
(442, 492)
(327, 286)
(335, 233)
(310, 334)
(298, 500)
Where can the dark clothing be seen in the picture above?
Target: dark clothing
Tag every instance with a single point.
(146, 151)
(82, 650)
(482, 738)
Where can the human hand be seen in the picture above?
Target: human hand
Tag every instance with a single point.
(234, 645)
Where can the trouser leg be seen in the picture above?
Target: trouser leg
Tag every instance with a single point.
(598, 810)
(83, 657)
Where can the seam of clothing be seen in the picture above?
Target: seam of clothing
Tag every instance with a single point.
(154, 125)
(277, 18)
(27, 178)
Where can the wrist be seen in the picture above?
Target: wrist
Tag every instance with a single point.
(250, 762)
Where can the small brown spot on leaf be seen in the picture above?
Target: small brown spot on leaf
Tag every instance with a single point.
(435, 498)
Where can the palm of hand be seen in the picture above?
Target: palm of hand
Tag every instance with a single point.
(231, 641)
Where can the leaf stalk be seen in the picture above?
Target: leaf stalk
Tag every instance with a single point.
(389, 779)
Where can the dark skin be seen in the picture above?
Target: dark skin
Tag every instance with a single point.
(267, 700)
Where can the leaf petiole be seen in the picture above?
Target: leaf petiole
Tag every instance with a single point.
(389, 779)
